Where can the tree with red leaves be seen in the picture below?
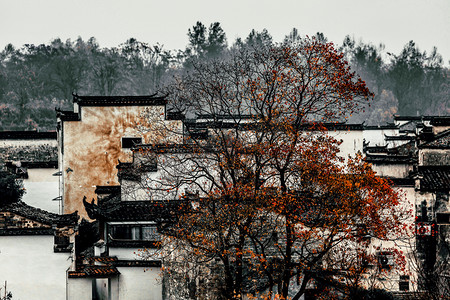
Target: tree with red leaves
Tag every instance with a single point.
(273, 204)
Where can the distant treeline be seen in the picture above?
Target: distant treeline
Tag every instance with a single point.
(34, 79)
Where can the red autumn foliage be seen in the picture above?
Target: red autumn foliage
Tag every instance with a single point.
(274, 202)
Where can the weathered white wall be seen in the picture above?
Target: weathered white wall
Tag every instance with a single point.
(41, 187)
(376, 137)
(405, 244)
(140, 283)
(434, 157)
(94, 144)
(78, 289)
(352, 141)
(392, 170)
(125, 253)
(31, 268)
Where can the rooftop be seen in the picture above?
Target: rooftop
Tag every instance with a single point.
(434, 178)
(27, 135)
(119, 100)
(39, 215)
(117, 210)
(441, 141)
(30, 154)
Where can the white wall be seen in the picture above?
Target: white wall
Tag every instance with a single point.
(41, 187)
(406, 244)
(352, 141)
(140, 283)
(125, 253)
(392, 170)
(31, 268)
(78, 289)
(376, 137)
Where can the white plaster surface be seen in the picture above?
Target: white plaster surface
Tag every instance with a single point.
(125, 253)
(41, 187)
(79, 289)
(140, 283)
(31, 268)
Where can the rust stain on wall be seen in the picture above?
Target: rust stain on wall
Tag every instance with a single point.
(92, 148)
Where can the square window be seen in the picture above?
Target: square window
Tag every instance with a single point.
(129, 142)
(403, 286)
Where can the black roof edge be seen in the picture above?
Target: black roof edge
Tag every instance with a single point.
(28, 135)
(119, 100)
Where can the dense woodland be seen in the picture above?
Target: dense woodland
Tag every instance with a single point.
(34, 79)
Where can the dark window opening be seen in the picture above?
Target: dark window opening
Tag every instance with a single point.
(385, 260)
(129, 142)
(443, 218)
(403, 284)
(134, 232)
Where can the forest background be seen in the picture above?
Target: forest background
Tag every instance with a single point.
(36, 79)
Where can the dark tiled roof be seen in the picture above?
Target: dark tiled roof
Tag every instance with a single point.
(43, 154)
(436, 178)
(399, 138)
(433, 119)
(441, 141)
(67, 115)
(440, 121)
(94, 271)
(39, 215)
(378, 127)
(27, 135)
(26, 231)
(109, 268)
(389, 159)
(103, 259)
(119, 100)
(403, 181)
(375, 149)
(116, 210)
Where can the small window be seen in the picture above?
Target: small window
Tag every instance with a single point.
(134, 232)
(403, 284)
(385, 260)
(129, 142)
(443, 218)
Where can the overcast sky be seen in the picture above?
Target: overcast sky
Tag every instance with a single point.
(111, 22)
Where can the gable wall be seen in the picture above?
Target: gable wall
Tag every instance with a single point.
(92, 147)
